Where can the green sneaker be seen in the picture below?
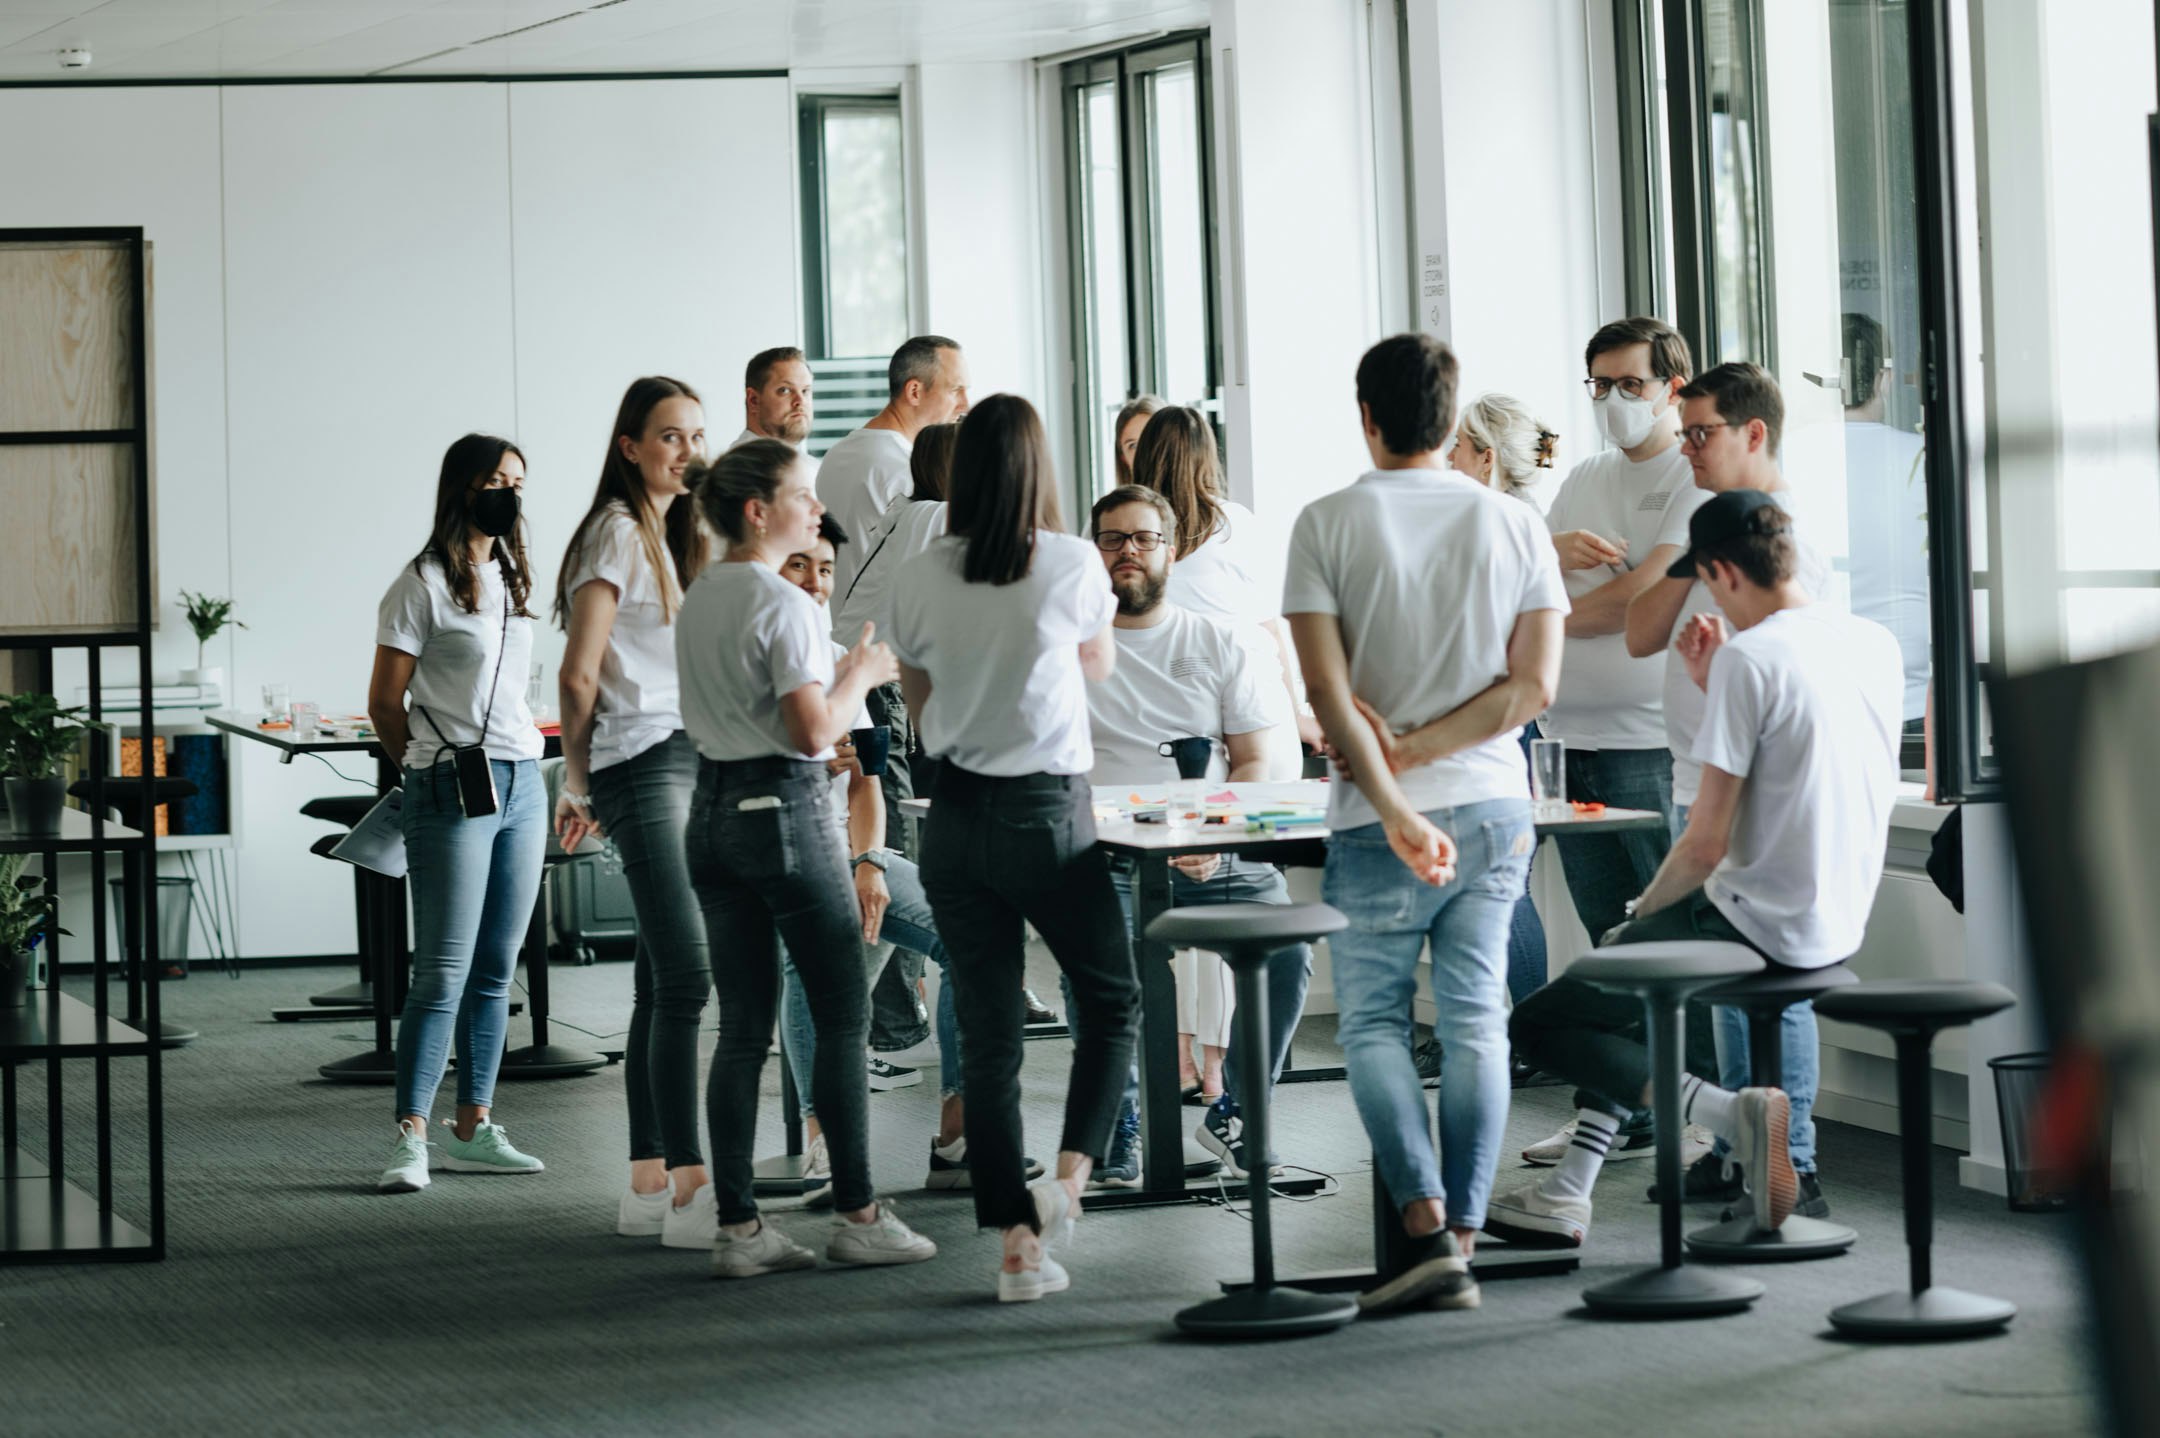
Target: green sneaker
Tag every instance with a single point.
(488, 1151)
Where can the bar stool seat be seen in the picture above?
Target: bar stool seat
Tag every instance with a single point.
(1764, 998)
(1912, 1012)
(1245, 935)
(344, 809)
(1664, 975)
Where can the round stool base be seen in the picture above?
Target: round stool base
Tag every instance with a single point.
(540, 1061)
(1914, 1317)
(173, 1036)
(1268, 1313)
(1672, 1293)
(1742, 1240)
(374, 1066)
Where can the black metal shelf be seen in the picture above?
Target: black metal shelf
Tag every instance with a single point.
(44, 1219)
(76, 837)
(28, 1033)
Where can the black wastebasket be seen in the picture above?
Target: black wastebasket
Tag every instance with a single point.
(2019, 1080)
(175, 913)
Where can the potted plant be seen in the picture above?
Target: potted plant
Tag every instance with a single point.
(28, 912)
(35, 735)
(207, 617)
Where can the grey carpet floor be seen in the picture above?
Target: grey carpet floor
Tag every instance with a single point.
(295, 1300)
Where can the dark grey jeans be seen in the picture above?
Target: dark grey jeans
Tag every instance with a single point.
(643, 804)
(999, 853)
(769, 863)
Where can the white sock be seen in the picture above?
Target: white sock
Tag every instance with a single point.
(1578, 1170)
(1705, 1103)
(950, 1152)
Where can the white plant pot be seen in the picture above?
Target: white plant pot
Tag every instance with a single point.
(212, 676)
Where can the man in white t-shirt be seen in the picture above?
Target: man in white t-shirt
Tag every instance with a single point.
(1782, 852)
(926, 383)
(1181, 675)
(1609, 524)
(776, 399)
(1434, 605)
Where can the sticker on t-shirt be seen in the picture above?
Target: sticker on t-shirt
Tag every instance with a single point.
(1655, 501)
(1191, 666)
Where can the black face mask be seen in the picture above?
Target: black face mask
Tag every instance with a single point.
(495, 511)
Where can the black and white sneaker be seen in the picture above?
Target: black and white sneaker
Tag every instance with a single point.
(1120, 1167)
(1811, 1203)
(1426, 1055)
(885, 1077)
(1222, 1133)
(1434, 1275)
(949, 1165)
(1034, 1013)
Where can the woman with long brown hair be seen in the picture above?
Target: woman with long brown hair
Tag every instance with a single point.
(998, 628)
(628, 768)
(1125, 432)
(474, 815)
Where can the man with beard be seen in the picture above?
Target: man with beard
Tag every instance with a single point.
(776, 399)
(1180, 676)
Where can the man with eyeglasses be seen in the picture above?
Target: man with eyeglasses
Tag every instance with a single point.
(1732, 418)
(1180, 675)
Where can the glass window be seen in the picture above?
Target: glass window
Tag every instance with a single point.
(1178, 235)
(1099, 255)
(1739, 322)
(855, 226)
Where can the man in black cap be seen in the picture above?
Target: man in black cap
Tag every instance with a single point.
(1782, 852)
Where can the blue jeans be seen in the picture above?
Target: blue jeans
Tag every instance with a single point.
(644, 803)
(1604, 871)
(908, 925)
(1289, 970)
(473, 883)
(1392, 915)
(1526, 953)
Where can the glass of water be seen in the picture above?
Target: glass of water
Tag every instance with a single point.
(277, 703)
(1548, 779)
(304, 719)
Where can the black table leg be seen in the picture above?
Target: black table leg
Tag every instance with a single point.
(382, 938)
(541, 1059)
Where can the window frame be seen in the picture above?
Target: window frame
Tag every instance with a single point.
(811, 108)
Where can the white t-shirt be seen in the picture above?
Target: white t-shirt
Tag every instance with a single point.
(1804, 706)
(749, 434)
(639, 704)
(1427, 573)
(904, 531)
(457, 664)
(1006, 693)
(744, 639)
(1230, 579)
(862, 721)
(859, 480)
(1886, 511)
(1683, 701)
(1608, 700)
(1185, 677)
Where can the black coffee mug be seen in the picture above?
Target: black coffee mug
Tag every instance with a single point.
(873, 748)
(1191, 755)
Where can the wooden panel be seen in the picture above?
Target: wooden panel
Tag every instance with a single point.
(67, 538)
(65, 338)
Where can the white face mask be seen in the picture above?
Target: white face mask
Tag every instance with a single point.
(1627, 422)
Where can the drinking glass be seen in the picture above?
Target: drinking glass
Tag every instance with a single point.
(277, 702)
(1548, 778)
(304, 717)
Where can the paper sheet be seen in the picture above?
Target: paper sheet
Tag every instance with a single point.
(377, 842)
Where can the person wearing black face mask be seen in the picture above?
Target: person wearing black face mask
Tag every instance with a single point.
(453, 633)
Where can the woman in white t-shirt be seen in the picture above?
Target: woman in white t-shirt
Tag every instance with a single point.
(998, 627)
(622, 581)
(451, 627)
(764, 703)
(1219, 574)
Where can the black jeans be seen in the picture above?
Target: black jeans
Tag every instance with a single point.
(644, 803)
(768, 863)
(998, 853)
(1594, 1037)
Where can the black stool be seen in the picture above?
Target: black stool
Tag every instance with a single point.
(541, 1058)
(346, 811)
(1665, 975)
(1245, 935)
(125, 798)
(1912, 1012)
(1764, 998)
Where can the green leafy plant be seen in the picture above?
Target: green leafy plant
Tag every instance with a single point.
(29, 910)
(36, 734)
(207, 616)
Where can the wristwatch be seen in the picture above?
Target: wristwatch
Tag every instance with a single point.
(876, 858)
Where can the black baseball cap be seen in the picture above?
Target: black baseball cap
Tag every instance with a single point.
(1723, 521)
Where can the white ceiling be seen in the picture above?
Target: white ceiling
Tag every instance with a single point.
(206, 39)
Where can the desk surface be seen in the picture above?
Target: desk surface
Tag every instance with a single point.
(1131, 836)
(248, 726)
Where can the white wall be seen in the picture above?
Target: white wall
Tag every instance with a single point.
(354, 276)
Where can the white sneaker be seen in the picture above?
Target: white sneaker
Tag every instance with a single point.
(640, 1215)
(1056, 1212)
(1533, 1218)
(885, 1239)
(1546, 1153)
(408, 1168)
(695, 1224)
(1762, 1119)
(884, 1077)
(817, 1175)
(766, 1251)
(1032, 1283)
(488, 1151)
(1695, 1141)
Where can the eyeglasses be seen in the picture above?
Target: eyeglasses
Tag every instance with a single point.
(1633, 386)
(1695, 436)
(1110, 541)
